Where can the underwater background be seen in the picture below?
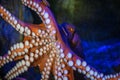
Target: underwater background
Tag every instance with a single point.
(97, 22)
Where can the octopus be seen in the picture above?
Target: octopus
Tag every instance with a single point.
(43, 46)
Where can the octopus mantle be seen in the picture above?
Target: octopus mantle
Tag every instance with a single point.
(43, 46)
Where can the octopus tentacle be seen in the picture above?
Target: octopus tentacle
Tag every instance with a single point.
(24, 64)
(48, 67)
(44, 13)
(82, 67)
(41, 62)
(23, 28)
(42, 53)
(57, 72)
(20, 67)
(60, 69)
(76, 63)
(112, 76)
(17, 24)
(57, 67)
(63, 71)
(17, 50)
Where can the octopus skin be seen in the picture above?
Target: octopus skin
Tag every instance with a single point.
(44, 47)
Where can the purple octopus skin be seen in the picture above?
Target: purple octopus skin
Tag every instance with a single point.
(71, 37)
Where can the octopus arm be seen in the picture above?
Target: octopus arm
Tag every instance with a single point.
(16, 52)
(44, 13)
(45, 64)
(35, 53)
(18, 69)
(42, 59)
(61, 70)
(41, 62)
(23, 28)
(81, 66)
(47, 67)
